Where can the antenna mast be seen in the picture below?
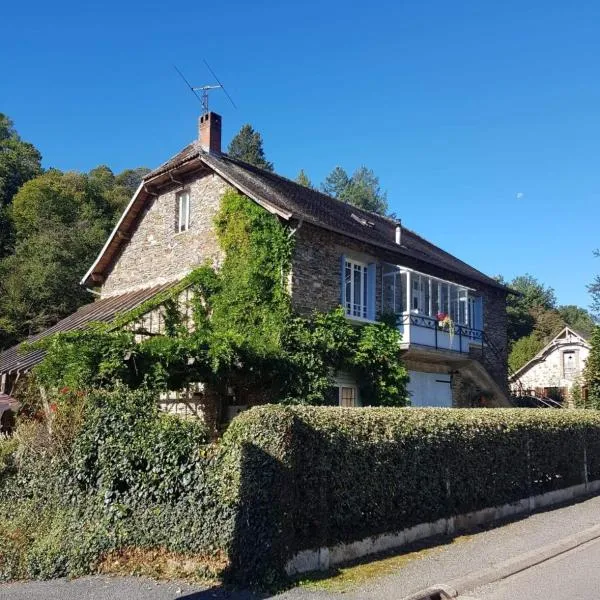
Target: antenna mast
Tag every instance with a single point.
(203, 98)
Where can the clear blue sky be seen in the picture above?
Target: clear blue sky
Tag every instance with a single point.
(481, 119)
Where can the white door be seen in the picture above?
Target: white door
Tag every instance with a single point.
(430, 389)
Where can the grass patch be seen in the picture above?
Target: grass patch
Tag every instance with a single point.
(349, 577)
(163, 565)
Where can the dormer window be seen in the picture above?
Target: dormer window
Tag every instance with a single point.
(183, 211)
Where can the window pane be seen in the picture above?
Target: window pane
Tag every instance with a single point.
(463, 306)
(435, 302)
(454, 303)
(355, 289)
(444, 303)
(416, 283)
(356, 295)
(393, 289)
(388, 288)
(425, 295)
(184, 199)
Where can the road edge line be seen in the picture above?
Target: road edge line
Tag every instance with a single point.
(512, 566)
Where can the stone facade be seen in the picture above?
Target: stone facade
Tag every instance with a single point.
(316, 264)
(156, 252)
(548, 369)
(494, 354)
(316, 285)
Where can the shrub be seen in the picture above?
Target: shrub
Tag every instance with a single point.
(126, 476)
(592, 370)
(312, 477)
(283, 479)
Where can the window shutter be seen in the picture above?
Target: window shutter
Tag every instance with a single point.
(371, 301)
(478, 313)
(343, 282)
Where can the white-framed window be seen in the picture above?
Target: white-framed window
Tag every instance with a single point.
(183, 211)
(356, 289)
(407, 290)
(348, 395)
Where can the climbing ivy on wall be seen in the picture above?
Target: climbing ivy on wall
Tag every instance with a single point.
(243, 336)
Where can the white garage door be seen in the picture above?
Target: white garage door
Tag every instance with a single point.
(430, 389)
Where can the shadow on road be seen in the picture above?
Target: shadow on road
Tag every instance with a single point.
(224, 593)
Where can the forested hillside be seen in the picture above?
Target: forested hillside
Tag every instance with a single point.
(52, 225)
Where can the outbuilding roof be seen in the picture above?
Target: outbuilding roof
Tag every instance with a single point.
(104, 310)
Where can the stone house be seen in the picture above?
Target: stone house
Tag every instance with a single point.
(555, 369)
(343, 255)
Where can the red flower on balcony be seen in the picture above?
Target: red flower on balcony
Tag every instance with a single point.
(441, 316)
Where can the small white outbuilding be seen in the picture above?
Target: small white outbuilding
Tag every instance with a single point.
(555, 368)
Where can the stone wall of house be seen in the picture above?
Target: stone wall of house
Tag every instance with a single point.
(316, 284)
(316, 267)
(494, 354)
(548, 372)
(157, 253)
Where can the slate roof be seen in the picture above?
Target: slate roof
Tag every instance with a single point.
(103, 310)
(291, 199)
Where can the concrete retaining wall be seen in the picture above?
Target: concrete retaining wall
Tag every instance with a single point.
(324, 558)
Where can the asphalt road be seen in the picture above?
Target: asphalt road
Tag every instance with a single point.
(449, 559)
(573, 576)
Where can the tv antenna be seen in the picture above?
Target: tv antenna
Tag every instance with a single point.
(205, 89)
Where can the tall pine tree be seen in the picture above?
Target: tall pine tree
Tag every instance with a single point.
(303, 179)
(247, 145)
(361, 189)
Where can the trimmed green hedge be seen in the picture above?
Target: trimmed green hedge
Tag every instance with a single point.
(282, 479)
(314, 477)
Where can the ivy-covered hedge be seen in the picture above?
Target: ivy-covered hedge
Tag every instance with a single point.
(315, 477)
(108, 472)
(105, 473)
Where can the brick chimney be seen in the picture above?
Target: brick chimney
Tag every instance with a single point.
(209, 132)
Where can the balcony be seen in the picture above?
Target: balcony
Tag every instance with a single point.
(419, 300)
(421, 330)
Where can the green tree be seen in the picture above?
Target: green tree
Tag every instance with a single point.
(61, 221)
(303, 179)
(578, 318)
(533, 299)
(548, 323)
(361, 189)
(336, 182)
(523, 350)
(534, 293)
(247, 146)
(592, 370)
(117, 190)
(19, 162)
